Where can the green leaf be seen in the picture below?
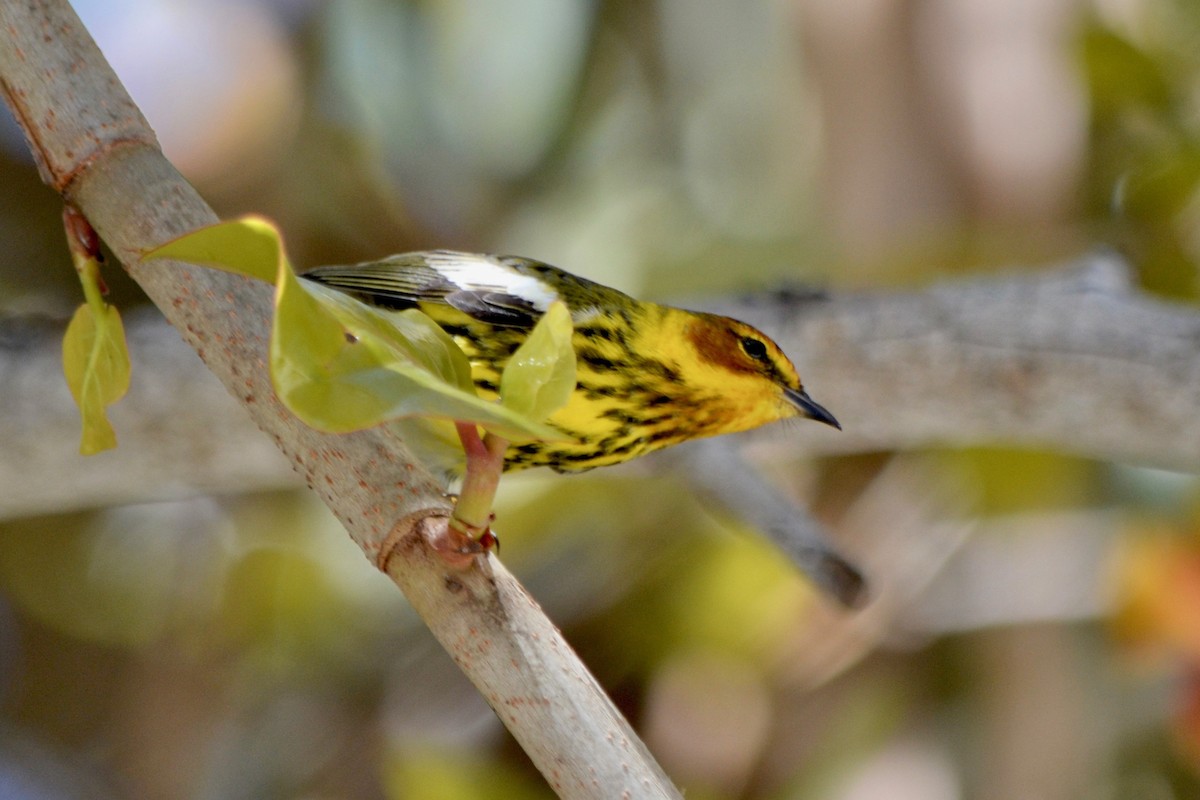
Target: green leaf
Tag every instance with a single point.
(540, 376)
(96, 365)
(250, 246)
(1122, 76)
(341, 365)
(410, 333)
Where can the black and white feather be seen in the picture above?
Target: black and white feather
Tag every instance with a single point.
(507, 291)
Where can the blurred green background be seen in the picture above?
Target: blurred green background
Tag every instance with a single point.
(1037, 628)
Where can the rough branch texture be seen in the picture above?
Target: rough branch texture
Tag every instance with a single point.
(93, 147)
(1073, 360)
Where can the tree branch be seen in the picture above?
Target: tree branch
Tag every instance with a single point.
(1074, 360)
(93, 147)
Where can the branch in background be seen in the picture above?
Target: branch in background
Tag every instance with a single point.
(721, 475)
(907, 524)
(935, 570)
(1073, 360)
(180, 432)
(93, 147)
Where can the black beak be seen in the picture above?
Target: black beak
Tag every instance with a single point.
(810, 408)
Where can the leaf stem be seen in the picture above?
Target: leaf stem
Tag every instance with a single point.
(84, 245)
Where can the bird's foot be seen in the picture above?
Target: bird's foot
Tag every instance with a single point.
(458, 543)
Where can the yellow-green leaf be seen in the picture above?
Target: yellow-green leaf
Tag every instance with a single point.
(341, 365)
(250, 246)
(540, 376)
(410, 333)
(96, 365)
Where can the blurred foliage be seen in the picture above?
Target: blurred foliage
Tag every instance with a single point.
(242, 647)
(1010, 481)
(447, 775)
(1145, 154)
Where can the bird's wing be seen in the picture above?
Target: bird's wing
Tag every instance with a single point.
(486, 288)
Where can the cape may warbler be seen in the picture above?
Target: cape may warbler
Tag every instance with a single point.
(648, 375)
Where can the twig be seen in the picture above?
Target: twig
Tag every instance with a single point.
(721, 475)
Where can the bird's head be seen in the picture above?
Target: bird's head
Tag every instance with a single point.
(756, 381)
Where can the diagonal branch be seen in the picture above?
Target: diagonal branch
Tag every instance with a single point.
(95, 149)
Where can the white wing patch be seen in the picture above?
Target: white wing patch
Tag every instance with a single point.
(483, 273)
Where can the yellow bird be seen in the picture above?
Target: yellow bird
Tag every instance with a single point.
(648, 375)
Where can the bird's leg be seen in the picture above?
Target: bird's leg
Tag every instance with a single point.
(485, 463)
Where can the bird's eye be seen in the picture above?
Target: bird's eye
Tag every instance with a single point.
(754, 348)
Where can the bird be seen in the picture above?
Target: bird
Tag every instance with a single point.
(647, 375)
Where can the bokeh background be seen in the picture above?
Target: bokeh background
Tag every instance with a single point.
(1040, 636)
